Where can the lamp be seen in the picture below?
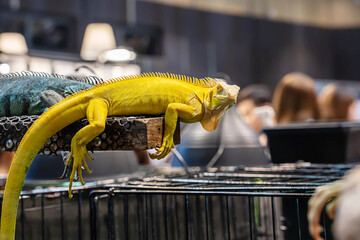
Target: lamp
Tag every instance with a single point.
(14, 52)
(118, 55)
(98, 38)
(13, 43)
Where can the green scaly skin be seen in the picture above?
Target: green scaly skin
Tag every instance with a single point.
(31, 93)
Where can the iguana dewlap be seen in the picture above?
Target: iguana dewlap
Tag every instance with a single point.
(178, 97)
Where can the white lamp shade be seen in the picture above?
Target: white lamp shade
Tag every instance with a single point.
(98, 37)
(13, 43)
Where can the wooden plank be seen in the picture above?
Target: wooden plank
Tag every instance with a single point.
(155, 132)
(121, 133)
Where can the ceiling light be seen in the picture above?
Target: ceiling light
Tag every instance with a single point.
(120, 54)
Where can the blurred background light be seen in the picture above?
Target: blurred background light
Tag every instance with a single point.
(13, 43)
(98, 38)
(4, 68)
(120, 54)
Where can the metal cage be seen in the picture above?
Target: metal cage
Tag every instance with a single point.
(223, 203)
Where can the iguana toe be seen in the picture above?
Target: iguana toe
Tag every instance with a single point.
(79, 171)
(164, 150)
(78, 153)
(88, 156)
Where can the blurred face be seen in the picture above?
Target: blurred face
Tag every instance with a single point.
(246, 110)
(352, 111)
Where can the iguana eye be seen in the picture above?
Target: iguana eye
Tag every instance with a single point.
(219, 88)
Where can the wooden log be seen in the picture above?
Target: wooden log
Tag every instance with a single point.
(155, 131)
(121, 133)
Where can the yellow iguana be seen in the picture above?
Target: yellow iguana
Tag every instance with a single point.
(189, 99)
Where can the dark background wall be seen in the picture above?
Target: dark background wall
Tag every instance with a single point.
(202, 43)
(346, 53)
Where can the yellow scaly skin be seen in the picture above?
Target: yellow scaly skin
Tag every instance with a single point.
(189, 99)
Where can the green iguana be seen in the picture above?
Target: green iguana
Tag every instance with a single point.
(31, 93)
(178, 97)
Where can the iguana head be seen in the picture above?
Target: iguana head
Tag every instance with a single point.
(219, 99)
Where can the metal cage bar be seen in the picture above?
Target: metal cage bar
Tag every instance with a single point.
(231, 204)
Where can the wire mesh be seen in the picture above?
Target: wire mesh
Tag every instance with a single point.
(121, 133)
(231, 203)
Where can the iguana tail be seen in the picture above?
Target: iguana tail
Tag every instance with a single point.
(50, 122)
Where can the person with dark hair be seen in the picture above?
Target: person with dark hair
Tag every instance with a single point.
(259, 93)
(254, 107)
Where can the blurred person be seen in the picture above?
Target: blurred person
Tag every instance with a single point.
(5, 161)
(295, 99)
(254, 107)
(249, 100)
(336, 103)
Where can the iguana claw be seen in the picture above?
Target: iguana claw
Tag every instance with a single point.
(79, 163)
(67, 171)
(164, 150)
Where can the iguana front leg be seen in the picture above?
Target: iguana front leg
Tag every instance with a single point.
(50, 98)
(96, 114)
(172, 113)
